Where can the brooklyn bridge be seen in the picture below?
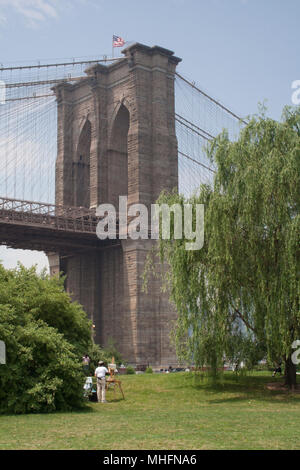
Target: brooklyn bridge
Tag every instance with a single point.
(76, 134)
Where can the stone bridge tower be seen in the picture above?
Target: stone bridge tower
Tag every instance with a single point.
(116, 137)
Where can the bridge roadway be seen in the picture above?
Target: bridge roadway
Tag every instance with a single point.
(49, 228)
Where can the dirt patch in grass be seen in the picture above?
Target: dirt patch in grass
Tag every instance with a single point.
(280, 387)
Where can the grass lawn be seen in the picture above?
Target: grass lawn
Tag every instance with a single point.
(167, 412)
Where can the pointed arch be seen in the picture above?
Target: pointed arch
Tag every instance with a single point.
(118, 156)
(81, 167)
(123, 102)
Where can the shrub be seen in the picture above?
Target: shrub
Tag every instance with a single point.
(130, 370)
(110, 351)
(149, 370)
(42, 373)
(97, 353)
(46, 335)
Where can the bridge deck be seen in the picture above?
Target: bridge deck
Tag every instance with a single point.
(46, 227)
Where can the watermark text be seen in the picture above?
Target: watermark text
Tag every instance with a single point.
(176, 221)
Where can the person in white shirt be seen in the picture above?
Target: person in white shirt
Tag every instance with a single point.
(100, 373)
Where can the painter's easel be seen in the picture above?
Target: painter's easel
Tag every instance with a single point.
(112, 378)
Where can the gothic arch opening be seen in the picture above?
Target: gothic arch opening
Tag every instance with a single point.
(81, 167)
(118, 157)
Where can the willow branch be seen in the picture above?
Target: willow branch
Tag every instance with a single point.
(241, 316)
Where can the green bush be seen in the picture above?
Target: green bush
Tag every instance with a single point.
(130, 370)
(110, 351)
(149, 370)
(46, 336)
(42, 373)
(97, 353)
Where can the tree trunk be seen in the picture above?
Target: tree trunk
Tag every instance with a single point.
(290, 373)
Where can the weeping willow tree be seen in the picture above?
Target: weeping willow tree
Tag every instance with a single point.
(247, 273)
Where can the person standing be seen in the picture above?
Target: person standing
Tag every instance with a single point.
(86, 364)
(100, 373)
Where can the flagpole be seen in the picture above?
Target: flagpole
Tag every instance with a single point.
(112, 47)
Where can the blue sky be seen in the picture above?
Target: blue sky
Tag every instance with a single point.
(241, 51)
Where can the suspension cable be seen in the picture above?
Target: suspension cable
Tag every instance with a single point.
(210, 98)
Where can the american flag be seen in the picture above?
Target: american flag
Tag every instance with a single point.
(117, 41)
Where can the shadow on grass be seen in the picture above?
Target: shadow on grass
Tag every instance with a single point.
(85, 409)
(242, 388)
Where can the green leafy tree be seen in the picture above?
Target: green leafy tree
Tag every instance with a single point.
(46, 335)
(248, 270)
